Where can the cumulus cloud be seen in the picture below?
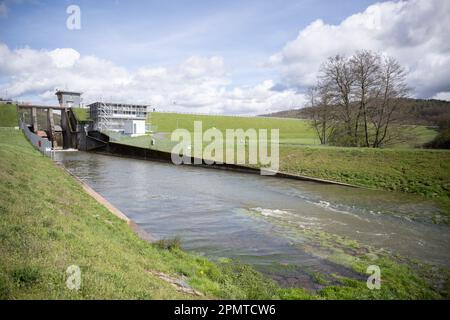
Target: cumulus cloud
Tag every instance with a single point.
(415, 32)
(64, 58)
(198, 84)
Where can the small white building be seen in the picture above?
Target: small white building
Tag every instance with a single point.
(118, 117)
(69, 99)
(134, 127)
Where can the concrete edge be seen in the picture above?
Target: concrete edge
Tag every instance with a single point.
(286, 175)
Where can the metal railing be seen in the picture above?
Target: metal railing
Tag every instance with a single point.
(42, 144)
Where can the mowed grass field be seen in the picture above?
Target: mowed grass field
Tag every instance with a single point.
(292, 131)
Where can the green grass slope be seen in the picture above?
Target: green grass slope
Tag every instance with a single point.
(8, 115)
(425, 172)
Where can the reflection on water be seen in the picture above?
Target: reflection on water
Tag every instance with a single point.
(254, 218)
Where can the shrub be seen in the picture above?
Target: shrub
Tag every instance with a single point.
(26, 276)
(441, 141)
(169, 244)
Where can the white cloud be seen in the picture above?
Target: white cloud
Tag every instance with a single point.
(414, 32)
(64, 58)
(198, 84)
(442, 96)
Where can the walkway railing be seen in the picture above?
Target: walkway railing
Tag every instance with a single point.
(42, 144)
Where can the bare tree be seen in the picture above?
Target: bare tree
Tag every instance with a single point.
(392, 89)
(321, 112)
(336, 72)
(360, 95)
(365, 66)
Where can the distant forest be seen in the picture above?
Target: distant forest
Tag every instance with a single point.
(429, 112)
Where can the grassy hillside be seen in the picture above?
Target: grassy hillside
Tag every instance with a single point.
(8, 115)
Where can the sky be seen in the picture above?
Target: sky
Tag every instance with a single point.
(221, 57)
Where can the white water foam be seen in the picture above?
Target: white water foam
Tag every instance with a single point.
(376, 234)
(270, 212)
(327, 205)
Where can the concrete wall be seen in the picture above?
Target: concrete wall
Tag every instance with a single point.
(70, 128)
(92, 140)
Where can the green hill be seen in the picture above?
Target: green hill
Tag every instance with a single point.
(292, 131)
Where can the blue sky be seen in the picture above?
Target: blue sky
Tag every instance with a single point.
(153, 33)
(237, 40)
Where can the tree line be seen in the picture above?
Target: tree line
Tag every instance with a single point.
(355, 100)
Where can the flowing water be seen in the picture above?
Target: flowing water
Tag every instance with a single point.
(255, 218)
